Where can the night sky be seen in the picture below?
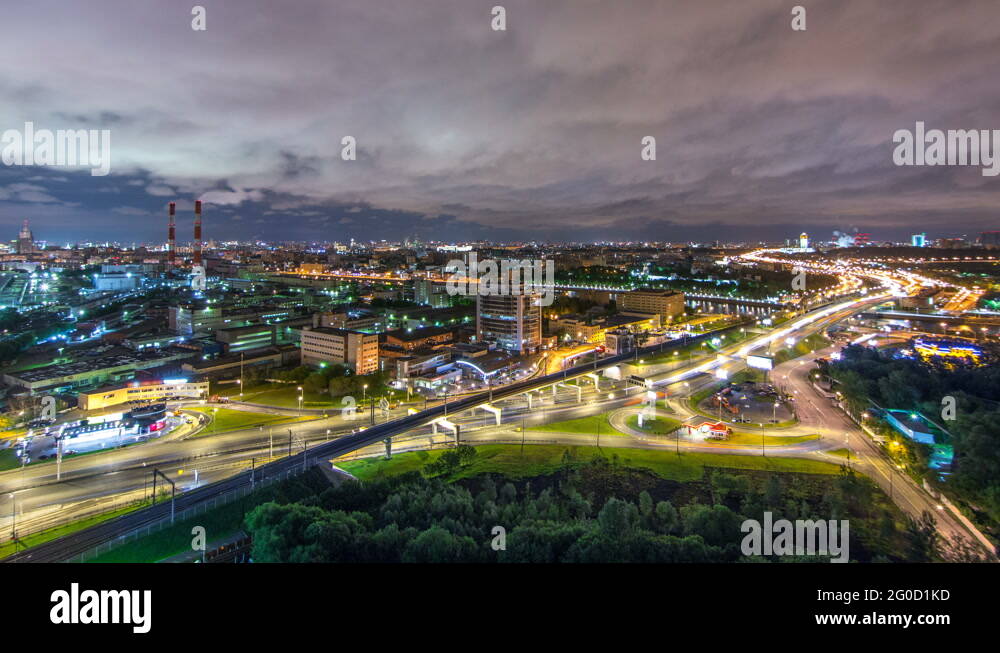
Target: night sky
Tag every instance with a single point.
(530, 133)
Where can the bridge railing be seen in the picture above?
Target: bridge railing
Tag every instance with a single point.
(26, 529)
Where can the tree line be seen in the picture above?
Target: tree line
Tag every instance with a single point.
(421, 517)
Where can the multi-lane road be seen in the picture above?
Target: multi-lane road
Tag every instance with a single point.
(215, 464)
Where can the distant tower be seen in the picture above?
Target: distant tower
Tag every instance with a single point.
(804, 240)
(197, 269)
(197, 233)
(171, 238)
(25, 240)
(918, 240)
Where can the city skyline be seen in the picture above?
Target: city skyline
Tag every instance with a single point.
(532, 133)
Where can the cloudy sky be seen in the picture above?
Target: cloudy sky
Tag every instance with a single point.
(530, 133)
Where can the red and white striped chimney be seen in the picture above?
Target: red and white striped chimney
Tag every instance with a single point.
(197, 232)
(171, 241)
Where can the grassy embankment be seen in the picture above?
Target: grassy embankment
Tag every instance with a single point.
(538, 460)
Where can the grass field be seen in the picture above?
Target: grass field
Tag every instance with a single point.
(801, 348)
(227, 419)
(280, 395)
(12, 434)
(584, 425)
(539, 459)
(286, 395)
(218, 523)
(52, 533)
(7, 459)
(659, 425)
(769, 440)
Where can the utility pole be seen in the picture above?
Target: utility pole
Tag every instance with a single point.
(270, 443)
(13, 521)
(522, 434)
(289, 442)
(173, 492)
(59, 452)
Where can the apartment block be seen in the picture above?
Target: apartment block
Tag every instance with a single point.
(329, 345)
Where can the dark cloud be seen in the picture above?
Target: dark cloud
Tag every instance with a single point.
(535, 132)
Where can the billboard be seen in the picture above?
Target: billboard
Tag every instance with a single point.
(761, 362)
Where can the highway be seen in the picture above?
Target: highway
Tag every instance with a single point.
(125, 471)
(222, 462)
(819, 414)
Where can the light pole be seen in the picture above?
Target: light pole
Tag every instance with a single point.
(300, 397)
(364, 393)
(774, 413)
(13, 521)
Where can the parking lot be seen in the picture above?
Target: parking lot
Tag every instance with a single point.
(751, 403)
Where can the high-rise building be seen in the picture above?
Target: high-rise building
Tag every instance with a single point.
(358, 350)
(25, 240)
(803, 240)
(513, 322)
(431, 294)
(918, 240)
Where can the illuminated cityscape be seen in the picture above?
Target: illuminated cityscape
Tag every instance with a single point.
(688, 285)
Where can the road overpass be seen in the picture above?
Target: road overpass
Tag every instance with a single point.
(70, 546)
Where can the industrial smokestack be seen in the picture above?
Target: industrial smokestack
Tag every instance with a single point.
(171, 240)
(197, 232)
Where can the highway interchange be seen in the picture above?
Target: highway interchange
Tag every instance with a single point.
(100, 481)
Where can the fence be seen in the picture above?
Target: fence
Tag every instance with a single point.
(193, 511)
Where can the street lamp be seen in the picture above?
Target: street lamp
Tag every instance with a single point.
(300, 397)
(13, 520)
(364, 392)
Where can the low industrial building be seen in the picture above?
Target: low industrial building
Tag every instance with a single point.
(94, 372)
(237, 339)
(167, 389)
(228, 366)
(412, 339)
